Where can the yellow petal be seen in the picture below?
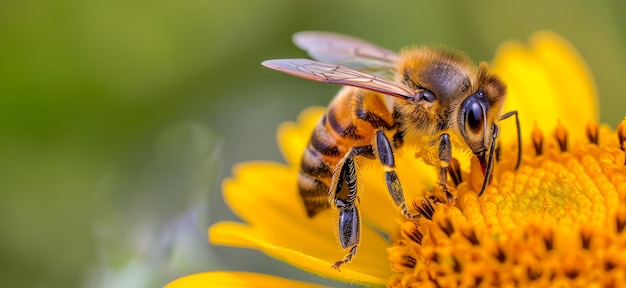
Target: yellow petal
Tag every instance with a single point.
(293, 137)
(315, 255)
(547, 82)
(262, 188)
(235, 279)
(265, 196)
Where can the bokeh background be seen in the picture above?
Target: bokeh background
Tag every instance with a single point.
(119, 119)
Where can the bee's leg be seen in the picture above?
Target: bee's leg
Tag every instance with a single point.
(445, 156)
(519, 136)
(349, 219)
(344, 197)
(385, 155)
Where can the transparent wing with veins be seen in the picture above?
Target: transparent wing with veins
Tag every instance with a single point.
(337, 74)
(347, 51)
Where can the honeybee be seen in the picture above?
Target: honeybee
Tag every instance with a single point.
(430, 98)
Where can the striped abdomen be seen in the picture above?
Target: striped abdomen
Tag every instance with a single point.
(351, 120)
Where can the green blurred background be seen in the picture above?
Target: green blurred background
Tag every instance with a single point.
(118, 119)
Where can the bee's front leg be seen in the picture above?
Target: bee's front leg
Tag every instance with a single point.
(445, 156)
(385, 155)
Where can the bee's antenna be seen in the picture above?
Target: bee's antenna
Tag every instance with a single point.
(487, 177)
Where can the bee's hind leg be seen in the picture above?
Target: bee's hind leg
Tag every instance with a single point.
(385, 155)
(344, 198)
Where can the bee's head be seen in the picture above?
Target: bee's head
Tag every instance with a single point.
(479, 113)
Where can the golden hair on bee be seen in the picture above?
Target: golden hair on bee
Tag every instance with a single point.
(431, 98)
(416, 58)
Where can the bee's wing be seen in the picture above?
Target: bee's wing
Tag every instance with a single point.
(347, 51)
(337, 74)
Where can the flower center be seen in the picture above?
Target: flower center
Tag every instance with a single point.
(558, 219)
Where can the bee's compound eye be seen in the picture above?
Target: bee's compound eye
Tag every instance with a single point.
(425, 95)
(474, 116)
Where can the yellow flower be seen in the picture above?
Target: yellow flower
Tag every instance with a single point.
(557, 220)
